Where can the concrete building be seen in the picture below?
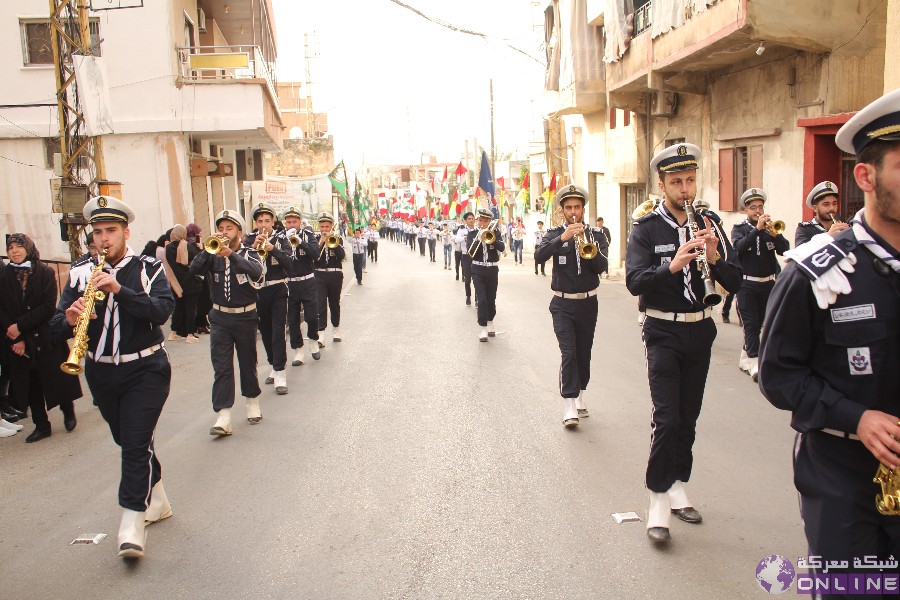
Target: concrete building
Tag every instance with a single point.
(192, 94)
(761, 86)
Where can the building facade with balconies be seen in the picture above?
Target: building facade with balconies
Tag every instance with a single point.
(193, 102)
(761, 86)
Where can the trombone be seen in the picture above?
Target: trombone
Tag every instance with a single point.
(214, 243)
(486, 237)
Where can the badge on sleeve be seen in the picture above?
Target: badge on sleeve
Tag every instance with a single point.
(860, 361)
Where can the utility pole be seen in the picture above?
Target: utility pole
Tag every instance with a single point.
(308, 56)
(82, 155)
(493, 153)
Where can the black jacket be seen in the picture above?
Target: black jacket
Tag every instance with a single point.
(571, 273)
(807, 230)
(243, 268)
(756, 249)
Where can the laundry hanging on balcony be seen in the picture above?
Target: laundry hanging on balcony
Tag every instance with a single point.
(671, 14)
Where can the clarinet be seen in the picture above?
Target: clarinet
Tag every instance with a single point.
(711, 297)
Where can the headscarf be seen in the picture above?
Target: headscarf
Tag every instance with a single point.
(23, 269)
(170, 274)
(179, 233)
(193, 233)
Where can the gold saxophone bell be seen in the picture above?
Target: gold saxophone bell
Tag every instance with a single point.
(645, 208)
(888, 501)
(775, 227)
(72, 365)
(214, 243)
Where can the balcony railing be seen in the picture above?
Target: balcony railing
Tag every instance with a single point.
(210, 64)
(643, 18)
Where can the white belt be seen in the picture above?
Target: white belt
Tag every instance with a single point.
(485, 264)
(235, 309)
(304, 278)
(124, 358)
(842, 434)
(276, 282)
(759, 279)
(329, 270)
(576, 295)
(691, 317)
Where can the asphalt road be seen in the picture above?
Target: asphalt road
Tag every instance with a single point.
(413, 461)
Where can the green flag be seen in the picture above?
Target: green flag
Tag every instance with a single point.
(338, 178)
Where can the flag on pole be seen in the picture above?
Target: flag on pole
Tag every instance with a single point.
(463, 201)
(548, 199)
(460, 170)
(338, 178)
(444, 180)
(526, 181)
(382, 204)
(485, 179)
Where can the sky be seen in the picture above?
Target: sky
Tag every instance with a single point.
(395, 85)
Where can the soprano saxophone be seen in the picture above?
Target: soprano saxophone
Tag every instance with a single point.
(710, 297)
(73, 365)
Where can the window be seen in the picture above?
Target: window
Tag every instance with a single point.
(37, 48)
(851, 196)
(740, 168)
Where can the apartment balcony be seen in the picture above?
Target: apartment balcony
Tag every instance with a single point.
(677, 57)
(229, 91)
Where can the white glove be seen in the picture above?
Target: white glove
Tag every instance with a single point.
(833, 282)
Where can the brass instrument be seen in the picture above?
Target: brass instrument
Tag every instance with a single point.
(888, 501)
(711, 297)
(214, 243)
(293, 238)
(259, 244)
(331, 242)
(587, 249)
(774, 228)
(487, 237)
(835, 218)
(644, 208)
(73, 365)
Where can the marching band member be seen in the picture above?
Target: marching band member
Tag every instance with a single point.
(485, 272)
(678, 332)
(302, 292)
(329, 278)
(233, 319)
(272, 303)
(574, 305)
(447, 242)
(459, 247)
(462, 241)
(126, 367)
(372, 237)
(358, 249)
(431, 238)
(538, 240)
(756, 247)
(824, 201)
(421, 236)
(830, 353)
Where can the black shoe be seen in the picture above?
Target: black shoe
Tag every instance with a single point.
(535, 271)
(725, 319)
(688, 514)
(70, 421)
(468, 301)
(10, 415)
(457, 276)
(37, 435)
(316, 355)
(659, 535)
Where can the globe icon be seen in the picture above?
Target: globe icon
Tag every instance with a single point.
(775, 574)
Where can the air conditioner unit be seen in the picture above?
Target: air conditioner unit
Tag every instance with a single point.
(201, 20)
(665, 104)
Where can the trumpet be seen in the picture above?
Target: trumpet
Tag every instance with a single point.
(293, 239)
(888, 501)
(259, 244)
(835, 218)
(331, 242)
(214, 243)
(584, 241)
(486, 237)
(774, 228)
(73, 365)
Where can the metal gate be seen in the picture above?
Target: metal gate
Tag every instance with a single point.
(634, 196)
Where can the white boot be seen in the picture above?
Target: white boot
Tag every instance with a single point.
(581, 406)
(298, 357)
(271, 378)
(336, 334)
(223, 423)
(280, 383)
(754, 368)
(254, 415)
(570, 413)
(132, 536)
(744, 362)
(159, 508)
(490, 328)
(483, 334)
(658, 517)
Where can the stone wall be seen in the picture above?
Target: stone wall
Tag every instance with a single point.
(301, 158)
